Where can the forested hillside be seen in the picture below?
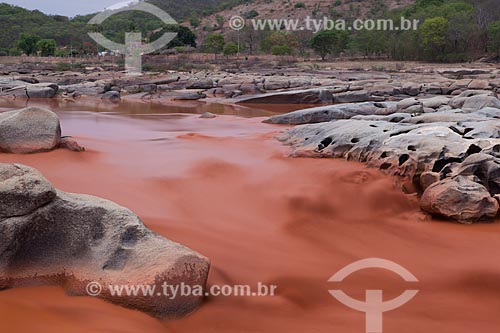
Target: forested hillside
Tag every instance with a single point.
(449, 31)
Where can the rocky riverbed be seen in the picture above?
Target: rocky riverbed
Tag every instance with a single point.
(288, 85)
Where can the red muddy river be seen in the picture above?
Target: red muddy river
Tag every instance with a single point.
(225, 188)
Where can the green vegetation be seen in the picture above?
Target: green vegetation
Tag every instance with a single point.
(214, 44)
(46, 47)
(329, 42)
(230, 49)
(281, 50)
(448, 31)
(22, 29)
(494, 38)
(434, 33)
(28, 43)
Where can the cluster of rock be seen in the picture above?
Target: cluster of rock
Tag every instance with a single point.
(55, 238)
(291, 86)
(32, 130)
(447, 149)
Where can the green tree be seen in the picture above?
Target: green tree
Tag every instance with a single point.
(27, 43)
(434, 32)
(46, 47)
(280, 38)
(230, 49)
(329, 42)
(194, 21)
(214, 43)
(494, 37)
(281, 50)
(220, 21)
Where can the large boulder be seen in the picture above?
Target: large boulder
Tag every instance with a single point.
(479, 102)
(86, 244)
(29, 130)
(42, 90)
(27, 90)
(461, 199)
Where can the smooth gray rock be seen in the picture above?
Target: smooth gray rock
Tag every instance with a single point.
(479, 102)
(22, 190)
(307, 96)
(202, 84)
(208, 115)
(56, 238)
(29, 130)
(112, 96)
(42, 90)
(355, 97)
(435, 102)
(408, 102)
(332, 112)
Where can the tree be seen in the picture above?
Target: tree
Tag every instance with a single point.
(46, 47)
(281, 50)
(434, 32)
(328, 42)
(220, 22)
(280, 38)
(194, 21)
(494, 38)
(214, 43)
(230, 49)
(28, 43)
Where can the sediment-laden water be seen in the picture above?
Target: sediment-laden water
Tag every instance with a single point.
(225, 188)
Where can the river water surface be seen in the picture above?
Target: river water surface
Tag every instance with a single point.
(226, 188)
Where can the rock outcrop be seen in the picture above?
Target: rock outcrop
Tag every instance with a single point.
(332, 112)
(451, 157)
(54, 238)
(31, 130)
(460, 198)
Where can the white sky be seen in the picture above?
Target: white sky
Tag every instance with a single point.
(64, 7)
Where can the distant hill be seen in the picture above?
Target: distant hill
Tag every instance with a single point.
(212, 16)
(15, 20)
(300, 9)
(181, 10)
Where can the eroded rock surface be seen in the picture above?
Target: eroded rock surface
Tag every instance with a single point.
(452, 157)
(55, 238)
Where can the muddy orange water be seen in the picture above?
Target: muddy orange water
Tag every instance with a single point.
(226, 188)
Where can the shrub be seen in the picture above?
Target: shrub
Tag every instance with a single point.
(230, 49)
(281, 50)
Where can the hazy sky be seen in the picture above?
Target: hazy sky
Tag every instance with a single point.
(64, 7)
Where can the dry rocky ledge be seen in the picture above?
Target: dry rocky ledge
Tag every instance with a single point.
(54, 238)
(445, 148)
